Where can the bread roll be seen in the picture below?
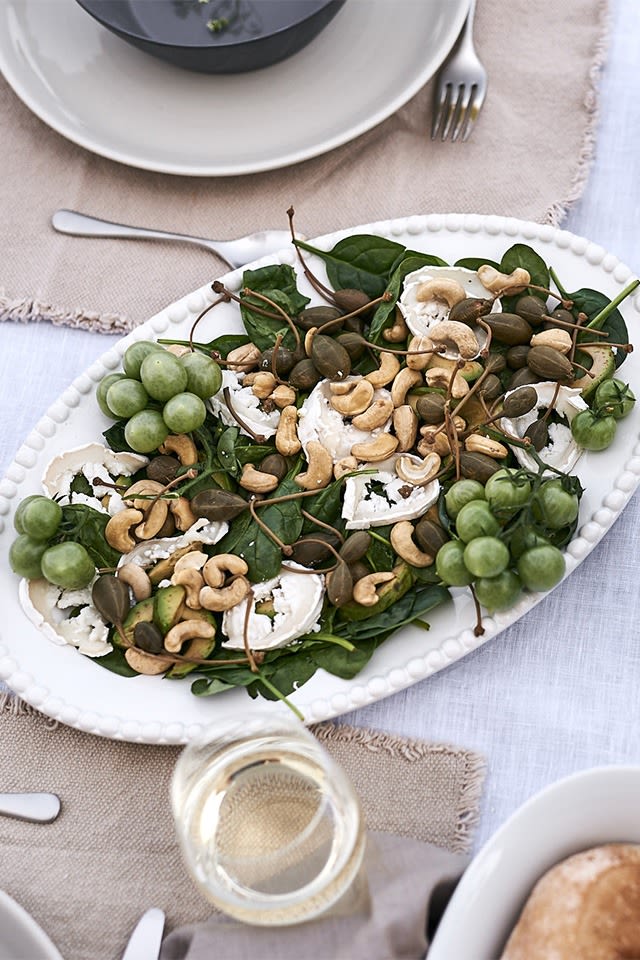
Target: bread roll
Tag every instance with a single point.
(585, 908)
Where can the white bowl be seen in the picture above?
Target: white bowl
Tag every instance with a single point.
(596, 806)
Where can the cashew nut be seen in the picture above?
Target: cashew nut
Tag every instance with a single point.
(187, 630)
(223, 598)
(183, 447)
(286, 438)
(256, 481)
(389, 366)
(319, 470)
(355, 400)
(398, 331)
(421, 350)
(178, 349)
(344, 466)
(560, 340)
(478, 443)
(283, 395)
(146, 663)
(264, 383)
(442, 288)
(405, 427)
(364, 590)
(216, 568)
(117, 532)
(244, 358)
(182, 513)
(375, 415)
(441, 377)
(499, 283)
(459, 334)
(137, 578)
(193, 582)
(401, 538)
(418, 472)
(194, 560)
(402, 383)
(373, 451)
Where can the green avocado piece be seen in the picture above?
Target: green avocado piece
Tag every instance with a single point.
(139, 613)
(199, 647)
(388, 593)
(167, 608)
(602, 368)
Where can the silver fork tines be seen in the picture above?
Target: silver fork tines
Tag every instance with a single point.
(461, 87)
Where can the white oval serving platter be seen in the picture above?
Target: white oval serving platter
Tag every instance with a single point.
(69, 687)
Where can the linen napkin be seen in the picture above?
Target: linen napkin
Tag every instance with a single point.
(112, 852)
(527, 157)
(387, 921)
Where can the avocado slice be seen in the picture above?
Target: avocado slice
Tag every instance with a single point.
(602, 368)
(168, 607)
(139, 613)
(388, 594)
(199, 647)
(164, 568)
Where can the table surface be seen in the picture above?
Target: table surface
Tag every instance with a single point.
(558, 691)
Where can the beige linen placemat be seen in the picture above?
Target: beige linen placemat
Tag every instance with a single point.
(528, 157)
(111, 853)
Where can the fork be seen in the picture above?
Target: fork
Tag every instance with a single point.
(461, 86)
(235, 253)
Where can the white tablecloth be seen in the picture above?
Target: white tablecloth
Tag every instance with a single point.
(558, 691)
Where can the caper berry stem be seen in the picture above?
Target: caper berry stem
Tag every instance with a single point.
(478, 630)
(600, 318)
(286, 549)
(226, 393)
(245, 632)
(321, 523)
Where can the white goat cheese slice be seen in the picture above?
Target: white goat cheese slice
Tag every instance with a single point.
(317, 420)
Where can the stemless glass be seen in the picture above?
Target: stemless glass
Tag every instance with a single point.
(269, 825)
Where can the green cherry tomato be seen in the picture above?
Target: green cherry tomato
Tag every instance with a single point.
(145, 431)
(126, 397)
(101, 392)
(554, 506)
(476, 520)
(135, 354)
(25, 556)
(592, 431)
(184, 412)
(204, 376)
(486, 557)
(450, 565)
(68, 565)
(460, 493)
(525, 538)
(498, 593)
(616, 396)
(38, 517)
(541, 568)
(20, 509)
(162, 375)
(506, 490)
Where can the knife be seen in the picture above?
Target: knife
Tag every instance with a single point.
(146, 939)
(36, 807)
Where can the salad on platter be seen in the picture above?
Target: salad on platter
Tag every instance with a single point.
(274, 502)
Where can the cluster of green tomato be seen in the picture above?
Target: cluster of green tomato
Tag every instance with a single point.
(159, 393)
(494, 552)
(595, 428)
(32, 554)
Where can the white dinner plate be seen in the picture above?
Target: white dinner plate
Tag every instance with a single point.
(593, 807)
(124, 104)
(20, 936)
(69, 687)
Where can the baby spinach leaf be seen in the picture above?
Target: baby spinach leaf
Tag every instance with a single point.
(472, 263)
(85, 525)
(116, 663)
(326, 507)
(522, 255)
(362, 262)
(114, 436)
(277, 282)
(413, 605)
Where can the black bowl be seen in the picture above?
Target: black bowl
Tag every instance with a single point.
(216, 36)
